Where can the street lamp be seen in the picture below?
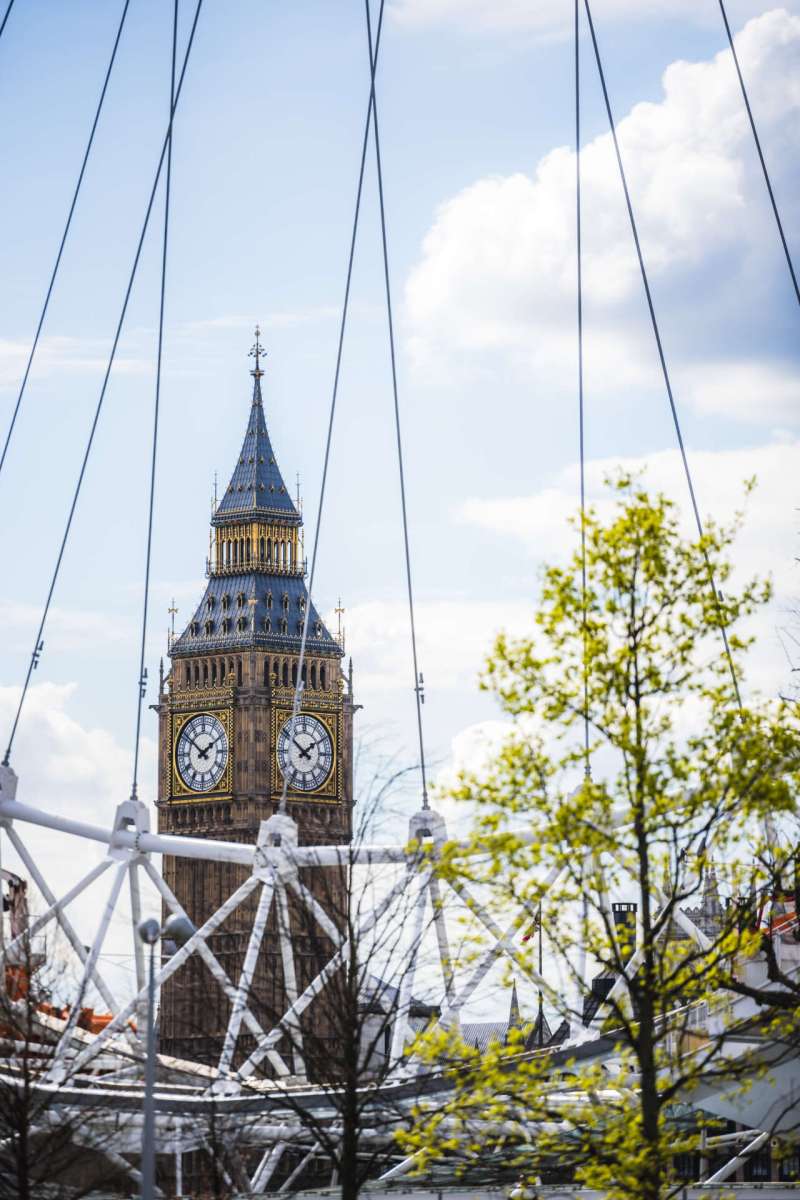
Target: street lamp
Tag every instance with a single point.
(176, 929)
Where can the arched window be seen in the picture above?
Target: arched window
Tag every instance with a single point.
(289, 554)
(285, 673)
(205, 674)
(313, 675)
(303, 674)
(266, 672)
(322, 681)
(197, 672)
(239, 671)
(235, 552)
(247, 551)
(226, 600)
(285, 601)
(294, 674)
(269, 550)
(261, 549)
(240, 599)
(283, 554)
(230, 668)
(269, 599)
(213, 673)
(188, 673)
(267, 625)
(284, 625)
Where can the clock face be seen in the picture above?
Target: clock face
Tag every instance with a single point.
(305, 752)
(201, 754)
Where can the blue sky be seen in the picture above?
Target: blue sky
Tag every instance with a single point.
(475, 102)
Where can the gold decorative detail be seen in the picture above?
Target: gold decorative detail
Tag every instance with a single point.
(331, 791)
(179, 716)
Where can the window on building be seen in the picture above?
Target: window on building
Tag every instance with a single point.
(267, 625)
(209, 628)
(226, 601)
(285, 673)
(284, 625)
(240, 599)
(285, 601)
(195, 629)
(322, 682)
(239, 671)
(313, 675)
(269, 599)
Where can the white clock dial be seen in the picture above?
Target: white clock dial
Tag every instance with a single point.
(201, 754)
(305, 752)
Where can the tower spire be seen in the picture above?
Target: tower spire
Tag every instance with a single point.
(256, 352)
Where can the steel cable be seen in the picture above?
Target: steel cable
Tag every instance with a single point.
(662, 360)
(141, 686)
(298, 693)
(757, 140)
(403, 507)
(38, 644)
(6, 16)
(51, 284)
(581, 426)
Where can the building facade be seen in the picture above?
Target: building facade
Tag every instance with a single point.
(229, 746)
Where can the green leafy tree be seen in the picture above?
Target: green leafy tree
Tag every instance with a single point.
(631, 774)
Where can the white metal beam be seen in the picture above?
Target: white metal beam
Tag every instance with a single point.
(246, 976)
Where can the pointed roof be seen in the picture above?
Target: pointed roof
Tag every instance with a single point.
(514, 1015)
(256, 487)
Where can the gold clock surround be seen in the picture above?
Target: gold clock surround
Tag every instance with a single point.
(223, 711)
(328, 792)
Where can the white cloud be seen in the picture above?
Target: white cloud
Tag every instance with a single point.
(497, 270)
(58, 354)
(766, 546)
(67, 629)
(453, 638)
(546, 19)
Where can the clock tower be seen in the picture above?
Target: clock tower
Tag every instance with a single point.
(229, 745)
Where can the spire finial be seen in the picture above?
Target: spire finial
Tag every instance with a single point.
(256, 353)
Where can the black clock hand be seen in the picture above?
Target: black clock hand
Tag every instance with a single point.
(209, 747)
(303, 753)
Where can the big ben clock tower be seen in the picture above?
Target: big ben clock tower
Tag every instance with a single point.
(228, 744)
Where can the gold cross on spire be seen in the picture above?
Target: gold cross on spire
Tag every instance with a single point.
(256, 353)
(339, 610)
(172, 611)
